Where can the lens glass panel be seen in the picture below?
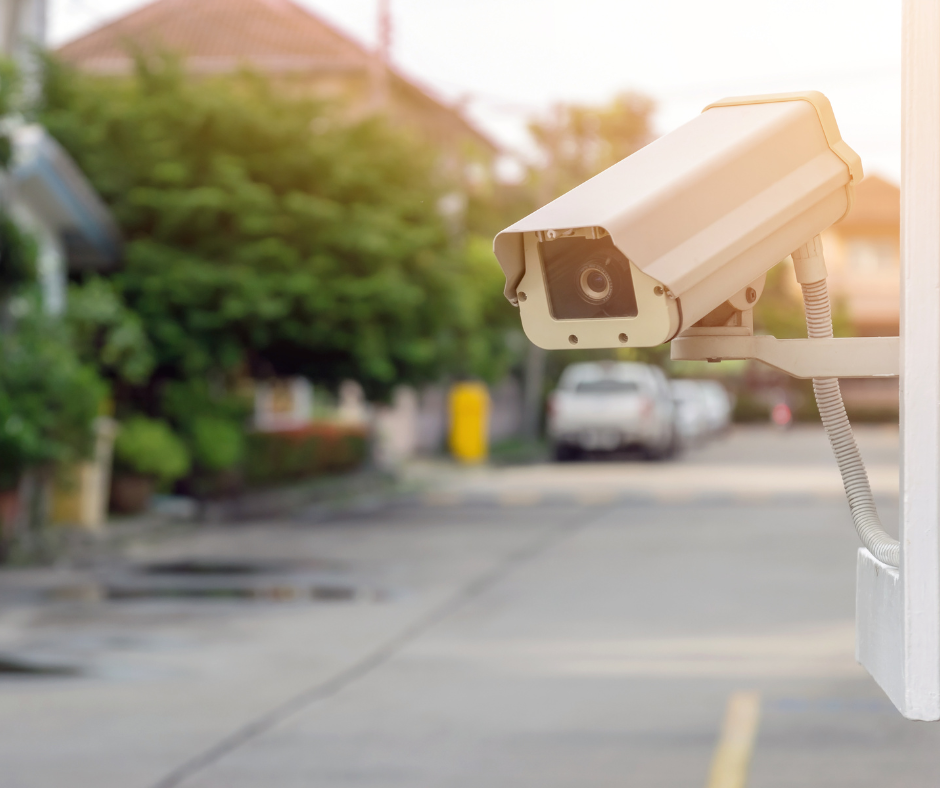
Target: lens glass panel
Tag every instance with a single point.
(587, 278)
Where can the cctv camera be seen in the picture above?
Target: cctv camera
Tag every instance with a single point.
(683, 231)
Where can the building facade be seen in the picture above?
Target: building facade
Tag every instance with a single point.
(863, 257)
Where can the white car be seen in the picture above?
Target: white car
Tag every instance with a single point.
(719, 405)
(693, 416)
(606, 406)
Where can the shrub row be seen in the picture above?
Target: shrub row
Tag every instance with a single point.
(312, 450)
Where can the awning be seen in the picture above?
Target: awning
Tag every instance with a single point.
(47, 180)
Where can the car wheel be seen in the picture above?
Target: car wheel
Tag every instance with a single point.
(668, 451)
(564, 452)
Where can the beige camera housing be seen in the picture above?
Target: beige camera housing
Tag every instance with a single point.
(692, 223)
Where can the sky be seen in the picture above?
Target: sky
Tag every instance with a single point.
(505, 61)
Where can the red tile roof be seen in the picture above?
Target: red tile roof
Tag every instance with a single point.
(217, 36)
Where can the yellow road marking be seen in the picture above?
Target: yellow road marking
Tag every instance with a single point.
(733, 755)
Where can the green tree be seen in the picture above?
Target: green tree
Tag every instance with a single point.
(17, 249)
(9, 101)
(779, 312)
(149, 447)
(265, 235)
(17, 258)
(107, 334)
(48, 398)
(578, 141)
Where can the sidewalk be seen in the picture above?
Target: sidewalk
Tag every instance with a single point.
(740, 466)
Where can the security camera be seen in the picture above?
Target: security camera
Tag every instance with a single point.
(683, 232)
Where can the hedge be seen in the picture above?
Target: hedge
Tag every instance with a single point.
(302, 453)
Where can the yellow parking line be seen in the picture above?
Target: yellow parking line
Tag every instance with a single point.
(733, 755)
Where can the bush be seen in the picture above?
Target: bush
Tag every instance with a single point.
(17, 257)
(48, 399)
(106, 333)
(217, 443)
(293, 455)
(150, 448)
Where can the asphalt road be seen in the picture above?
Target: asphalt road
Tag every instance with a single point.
(613, 633)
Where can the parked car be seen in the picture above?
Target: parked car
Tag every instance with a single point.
(719, 406)
(693, 419)
(606, 406)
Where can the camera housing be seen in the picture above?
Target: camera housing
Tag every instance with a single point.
(682, 232)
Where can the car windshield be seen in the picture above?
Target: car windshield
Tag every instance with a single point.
(607, 386)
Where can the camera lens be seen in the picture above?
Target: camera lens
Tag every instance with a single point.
(587, 278)
(595, 283)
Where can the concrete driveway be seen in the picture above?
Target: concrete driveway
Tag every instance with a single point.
(556, 639)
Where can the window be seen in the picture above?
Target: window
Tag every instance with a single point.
(607, 386)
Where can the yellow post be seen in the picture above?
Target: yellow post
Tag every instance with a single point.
(469, 422)
(80, 492)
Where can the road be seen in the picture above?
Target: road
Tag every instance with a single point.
(517, 627)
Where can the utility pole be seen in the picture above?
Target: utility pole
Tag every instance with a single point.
(532, 389)
(533, 385)
(381, 58)
(23, 26)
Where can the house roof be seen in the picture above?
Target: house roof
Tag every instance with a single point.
(877, 203)
(218, 36)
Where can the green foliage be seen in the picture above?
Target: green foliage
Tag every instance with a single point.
(779, 312)
(487, 317)
(107, 333)
(17, 257)
(217, 443)
(575, 142)
(9, 94)
(276, 457)
(48, 398)
(578, 141)
(209, 419)
(150, 448)
(263, 234)
(185, 401)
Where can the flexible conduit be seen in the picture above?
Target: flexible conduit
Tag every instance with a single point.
(832, 411)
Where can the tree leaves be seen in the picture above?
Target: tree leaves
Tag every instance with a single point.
(264, 233)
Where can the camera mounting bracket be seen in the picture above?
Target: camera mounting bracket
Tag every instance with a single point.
(840, 357)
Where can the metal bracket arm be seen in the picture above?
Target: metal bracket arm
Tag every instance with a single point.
(840, 357)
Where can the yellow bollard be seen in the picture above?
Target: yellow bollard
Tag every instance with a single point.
(469, 422)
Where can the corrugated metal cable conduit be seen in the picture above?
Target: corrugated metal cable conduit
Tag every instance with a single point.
(832, 410)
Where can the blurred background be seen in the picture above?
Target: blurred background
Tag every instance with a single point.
(255, 360)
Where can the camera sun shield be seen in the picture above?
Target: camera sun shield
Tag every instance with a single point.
(693, 220)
